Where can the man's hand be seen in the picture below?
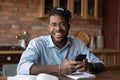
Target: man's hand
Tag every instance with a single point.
(70, 66)
(82, 66)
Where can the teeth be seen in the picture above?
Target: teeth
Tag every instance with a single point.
(58, 34)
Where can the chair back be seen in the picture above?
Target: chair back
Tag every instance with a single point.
(84, 37)
(9, 69)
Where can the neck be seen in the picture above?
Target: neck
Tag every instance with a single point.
(61, 43)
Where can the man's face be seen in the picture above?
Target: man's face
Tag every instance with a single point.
(58, 28)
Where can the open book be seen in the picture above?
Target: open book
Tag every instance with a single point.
(81, 75)
(41, 76)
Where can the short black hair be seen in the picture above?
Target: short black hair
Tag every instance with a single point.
(64, 13)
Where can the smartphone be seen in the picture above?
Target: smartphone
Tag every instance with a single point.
(80, 57)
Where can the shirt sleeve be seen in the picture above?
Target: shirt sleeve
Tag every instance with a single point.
(90, 55)
(28, 58)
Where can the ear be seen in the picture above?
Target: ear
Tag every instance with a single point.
(68, 26)
(48, 27)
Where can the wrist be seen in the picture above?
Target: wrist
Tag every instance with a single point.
(92, 67)
(59, 69)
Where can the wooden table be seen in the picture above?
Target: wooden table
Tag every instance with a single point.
(107, 75)
(112, 73)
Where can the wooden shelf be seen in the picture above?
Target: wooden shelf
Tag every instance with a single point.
(11, 51)
(91, 9)
(80, 9)
(9, 57)
(105, 51)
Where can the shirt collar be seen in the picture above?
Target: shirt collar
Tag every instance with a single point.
(53, 45)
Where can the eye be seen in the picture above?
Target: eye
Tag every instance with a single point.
(53, 24)
(63, 24)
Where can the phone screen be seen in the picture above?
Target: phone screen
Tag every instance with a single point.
(80, 57)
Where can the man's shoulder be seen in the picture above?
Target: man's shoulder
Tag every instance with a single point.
(41, 39)
(73, 38)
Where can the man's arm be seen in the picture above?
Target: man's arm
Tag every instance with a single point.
(96, 67)
(37, 68)
(66, 67)
(84, 66)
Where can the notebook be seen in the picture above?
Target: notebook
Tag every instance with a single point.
(81, 75)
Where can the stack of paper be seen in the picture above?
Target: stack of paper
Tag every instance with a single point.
(80, 75)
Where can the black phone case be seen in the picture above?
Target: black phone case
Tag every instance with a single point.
(80, 57)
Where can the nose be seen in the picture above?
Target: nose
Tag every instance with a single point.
(58, 27)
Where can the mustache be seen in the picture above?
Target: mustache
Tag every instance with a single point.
(60, 31)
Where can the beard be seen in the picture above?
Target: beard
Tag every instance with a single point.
(59, 36)
(59, 40)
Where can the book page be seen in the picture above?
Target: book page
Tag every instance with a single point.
(80, 75)
(44, 76)
(22, 77)
(41, 76)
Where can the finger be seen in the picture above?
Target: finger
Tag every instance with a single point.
(80, 66)
(71, 62)
(74, 62)
(75, 67)
(80, 62)
(81, 69)
(72, 68)
(85, 61)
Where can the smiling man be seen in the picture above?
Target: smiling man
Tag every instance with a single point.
(56, 53)
(58, 28)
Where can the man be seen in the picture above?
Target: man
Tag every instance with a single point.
(56, 53)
